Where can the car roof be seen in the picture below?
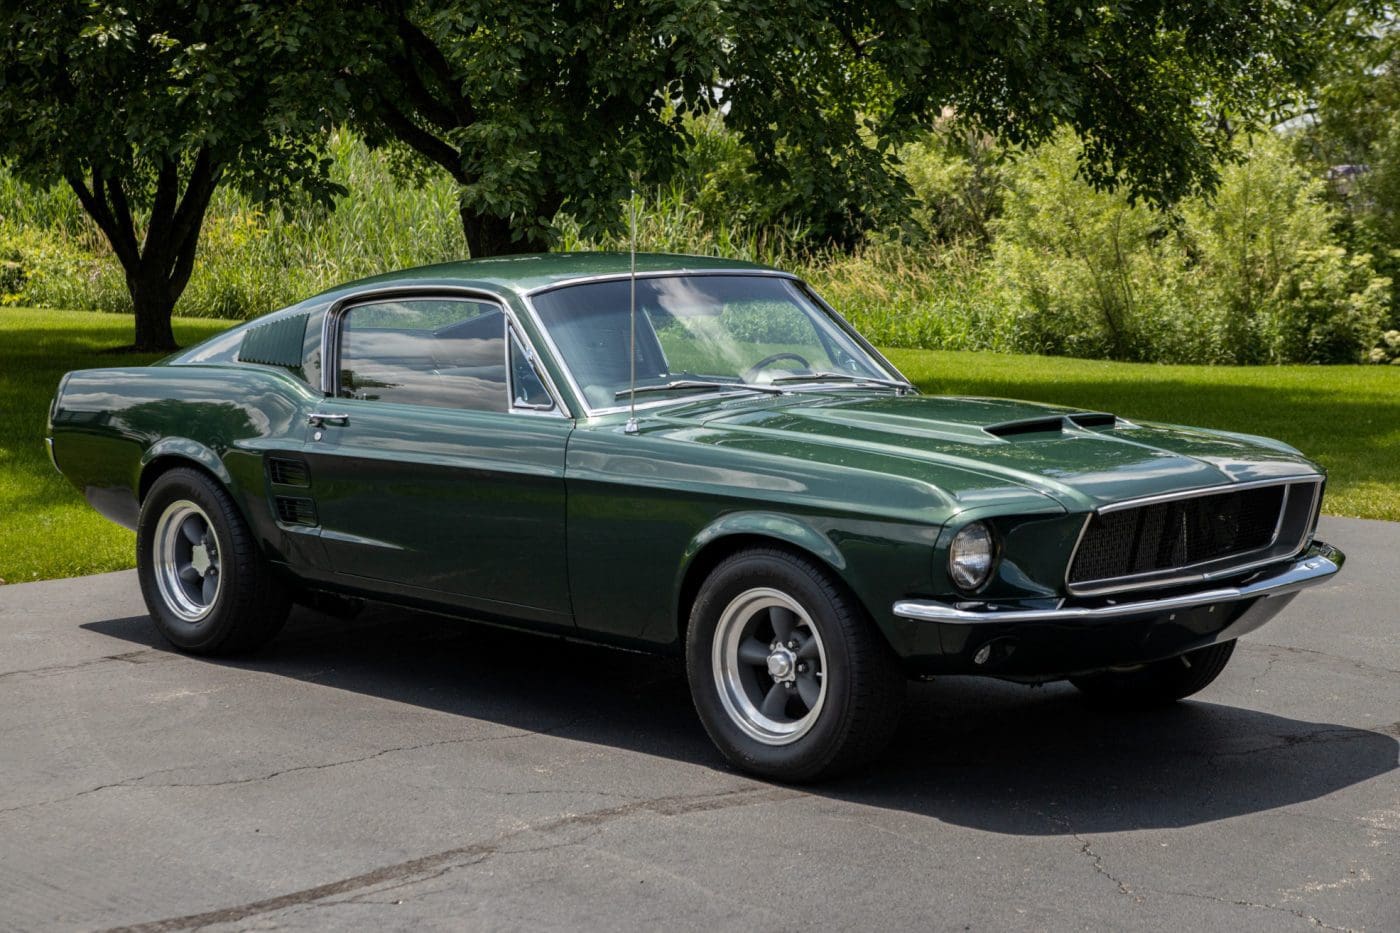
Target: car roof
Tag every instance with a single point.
(531, 272)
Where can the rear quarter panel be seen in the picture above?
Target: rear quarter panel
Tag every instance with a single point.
(108, 425)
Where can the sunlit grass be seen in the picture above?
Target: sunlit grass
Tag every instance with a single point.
(46, 529)
(1346, 417)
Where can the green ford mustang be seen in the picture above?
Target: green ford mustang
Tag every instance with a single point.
(700, 458)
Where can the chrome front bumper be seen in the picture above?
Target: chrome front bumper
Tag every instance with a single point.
(1319, 563)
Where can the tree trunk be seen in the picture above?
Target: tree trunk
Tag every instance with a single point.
(154, 307)
(158, 266)
(488, 235)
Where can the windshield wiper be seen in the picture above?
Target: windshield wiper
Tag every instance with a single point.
(822, 376)
(676, 385)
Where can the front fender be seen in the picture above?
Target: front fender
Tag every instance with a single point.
(783, 528)
(872, 557)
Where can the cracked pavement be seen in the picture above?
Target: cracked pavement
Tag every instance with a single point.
(406, 771)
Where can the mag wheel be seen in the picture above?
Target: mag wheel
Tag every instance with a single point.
(1159, 682)
(207, 586)
(790, 679)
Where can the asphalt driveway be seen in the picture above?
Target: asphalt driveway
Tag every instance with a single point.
(403, 770)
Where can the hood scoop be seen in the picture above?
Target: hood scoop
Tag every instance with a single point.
(1055, 424)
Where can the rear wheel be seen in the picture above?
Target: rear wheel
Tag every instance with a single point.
(1160, 682)
(205, 582)
(790, 679)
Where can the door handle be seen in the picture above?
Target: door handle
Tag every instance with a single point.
(319, 420)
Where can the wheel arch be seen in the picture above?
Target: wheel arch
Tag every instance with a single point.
(745, 531)
(171, 452)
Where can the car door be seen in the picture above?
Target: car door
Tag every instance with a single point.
(438, 458)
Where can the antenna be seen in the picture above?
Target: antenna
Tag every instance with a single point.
(632, 340)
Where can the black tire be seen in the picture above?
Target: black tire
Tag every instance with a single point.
(862, 695)
(248, 603)
(1160, 682)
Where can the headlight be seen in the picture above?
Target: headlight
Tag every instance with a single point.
(970, 556)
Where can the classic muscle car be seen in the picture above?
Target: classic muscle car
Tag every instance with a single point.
(698, 457)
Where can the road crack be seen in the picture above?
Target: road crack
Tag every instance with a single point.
(144, 780)
(1312, 652)
(1255, 905)
(430, 865)
(130, 657)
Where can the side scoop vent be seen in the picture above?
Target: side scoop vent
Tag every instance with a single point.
(295, 511)
(288, 472)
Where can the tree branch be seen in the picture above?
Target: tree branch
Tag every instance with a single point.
(163, 207)
(419, 96)
(94, 201)
(427, 145)
(418, 43)
(204, 178)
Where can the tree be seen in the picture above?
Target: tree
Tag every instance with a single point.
(539, 106)
(1156, 89)
(532, 105)
(145, 109)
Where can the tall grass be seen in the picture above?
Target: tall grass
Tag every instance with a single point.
(253, 258)
(1034, 283)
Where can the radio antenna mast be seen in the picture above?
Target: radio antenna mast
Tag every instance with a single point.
(632, 339)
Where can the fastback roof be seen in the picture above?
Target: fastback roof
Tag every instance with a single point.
(528, 272)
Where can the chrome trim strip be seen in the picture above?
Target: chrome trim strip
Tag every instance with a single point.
(856, 335)
(330, 337)
(1321, 563)
(656, 274)
(48, 444)
(1206, 491)
(1116, 585)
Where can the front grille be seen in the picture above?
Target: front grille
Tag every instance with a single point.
(1178, 533)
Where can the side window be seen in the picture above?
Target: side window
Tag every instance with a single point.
(527, 391)
(448, 353)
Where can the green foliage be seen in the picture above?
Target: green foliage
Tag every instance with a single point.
(1253, 274)
(958, 179)
(253, 257)
(144, 109)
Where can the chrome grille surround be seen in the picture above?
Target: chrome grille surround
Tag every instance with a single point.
(1177, 559)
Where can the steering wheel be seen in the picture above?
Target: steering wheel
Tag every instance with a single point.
(767, 361)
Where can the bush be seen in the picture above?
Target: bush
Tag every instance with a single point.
(1252, 274)
(1016, 255)
(1091, 274)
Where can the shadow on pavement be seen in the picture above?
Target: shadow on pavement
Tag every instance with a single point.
(972, 752)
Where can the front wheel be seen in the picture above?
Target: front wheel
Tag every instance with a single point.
(790, 678)
(1160, 682)
(206, 584)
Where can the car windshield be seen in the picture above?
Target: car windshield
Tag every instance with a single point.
(700, 333)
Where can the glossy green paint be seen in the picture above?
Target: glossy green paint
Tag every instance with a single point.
(573, 524)
(458, 505)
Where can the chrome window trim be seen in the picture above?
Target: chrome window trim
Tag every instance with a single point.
(857, 336)
(1154, 578)
(655, 274)
(591, 411)
(331, 328)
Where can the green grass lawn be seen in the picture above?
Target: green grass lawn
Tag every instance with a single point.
(1348, 418)
(46, 529)
(1345, 417)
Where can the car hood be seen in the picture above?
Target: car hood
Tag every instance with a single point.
(1082, 459)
